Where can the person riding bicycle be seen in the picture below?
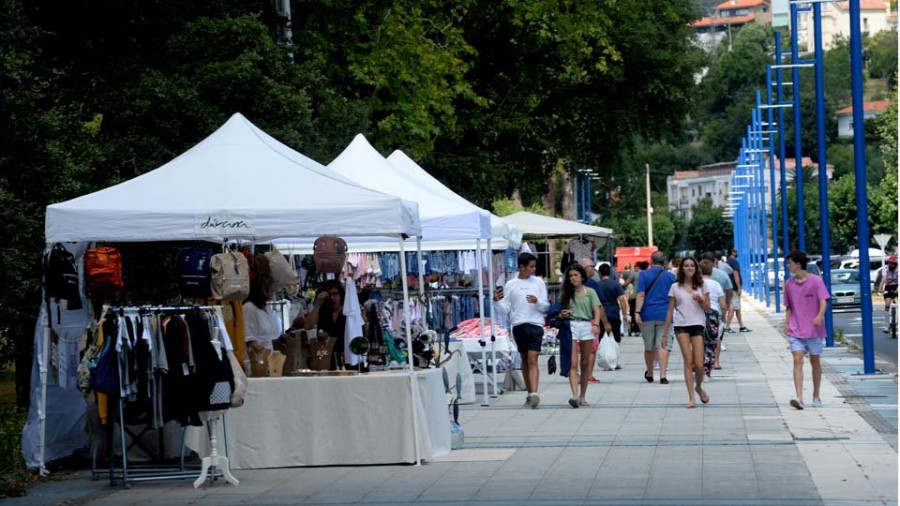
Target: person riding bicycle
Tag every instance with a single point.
(889, 287)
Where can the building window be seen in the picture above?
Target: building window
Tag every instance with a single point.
(865, 23)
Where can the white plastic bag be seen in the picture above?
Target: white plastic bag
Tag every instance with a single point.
(608, 353)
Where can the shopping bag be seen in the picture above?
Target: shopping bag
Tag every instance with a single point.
(608, 353)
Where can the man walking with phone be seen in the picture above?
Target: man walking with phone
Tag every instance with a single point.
(524, 298)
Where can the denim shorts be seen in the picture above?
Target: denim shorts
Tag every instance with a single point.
(812, 345)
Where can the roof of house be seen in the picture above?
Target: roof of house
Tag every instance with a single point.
(865, 5)
(740, 4)
(869, 106)
(734, 20)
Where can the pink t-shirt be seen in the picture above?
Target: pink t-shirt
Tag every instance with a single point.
(803, 299)
(687, 310)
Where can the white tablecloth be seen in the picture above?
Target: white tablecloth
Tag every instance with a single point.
(321, 421)
(505, 347)
(460, 364)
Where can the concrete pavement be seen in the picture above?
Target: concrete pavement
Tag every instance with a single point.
(635, 444)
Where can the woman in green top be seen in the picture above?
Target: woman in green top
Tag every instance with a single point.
(583, 309)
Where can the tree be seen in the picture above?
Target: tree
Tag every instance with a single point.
(708, 230)
(882, 56)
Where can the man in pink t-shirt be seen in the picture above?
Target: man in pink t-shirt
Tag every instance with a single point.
(805, 300)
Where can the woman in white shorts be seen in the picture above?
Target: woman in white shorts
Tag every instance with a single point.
(583, 309)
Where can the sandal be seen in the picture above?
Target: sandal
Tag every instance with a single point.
(583, 403)
(704, 397)
(573, 403)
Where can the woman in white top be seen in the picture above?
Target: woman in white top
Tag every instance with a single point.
(261, 325)
(688, 302)
(716, 301)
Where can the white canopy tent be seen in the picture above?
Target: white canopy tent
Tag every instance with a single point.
(503, 234)
(545, 227)
(238, 183)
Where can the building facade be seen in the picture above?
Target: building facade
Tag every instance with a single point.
(727, 18)
(875, 16)
(870, 110)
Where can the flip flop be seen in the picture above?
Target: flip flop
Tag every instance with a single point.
(573, 403)
(584, 403)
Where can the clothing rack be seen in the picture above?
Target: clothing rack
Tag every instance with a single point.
(158, 471)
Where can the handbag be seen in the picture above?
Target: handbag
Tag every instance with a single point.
(240, 382)
(551, 365)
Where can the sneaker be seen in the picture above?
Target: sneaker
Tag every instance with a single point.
(817, 402)
(797, 403)
(618, 368)
(528, 401)
(744, 329)
(535, 400)
(729, 331)
(663, 381)
(655, 366)
(723, 347)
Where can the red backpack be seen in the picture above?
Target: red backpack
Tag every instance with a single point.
(330, 254)
(104, 270)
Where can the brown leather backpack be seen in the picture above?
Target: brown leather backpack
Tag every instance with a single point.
(330, 254)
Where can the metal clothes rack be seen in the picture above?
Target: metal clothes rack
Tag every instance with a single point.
(158, 470)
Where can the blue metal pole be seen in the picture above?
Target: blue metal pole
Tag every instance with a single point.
(798, 134)
(862, 201)
(589, 201)
(762, 198)
(779, 76)
(823, 171)
(774, 251)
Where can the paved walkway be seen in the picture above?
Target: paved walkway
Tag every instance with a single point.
(635, 444)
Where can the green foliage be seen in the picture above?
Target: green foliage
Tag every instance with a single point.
(708, 230)
(13, 475)
(505, 207)
(882, 54)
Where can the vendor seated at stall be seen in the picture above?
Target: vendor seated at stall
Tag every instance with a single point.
(261, 324)
(328, 315)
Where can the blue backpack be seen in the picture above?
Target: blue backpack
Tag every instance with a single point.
(193, 272)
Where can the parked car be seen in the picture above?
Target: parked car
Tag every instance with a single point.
(845, 291)
(811, 268)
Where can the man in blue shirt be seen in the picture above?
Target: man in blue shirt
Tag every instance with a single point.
(652, 304)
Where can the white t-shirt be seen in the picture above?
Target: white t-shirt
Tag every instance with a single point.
(715, 291)
(687, 310)
(520, 310)
(260, 325)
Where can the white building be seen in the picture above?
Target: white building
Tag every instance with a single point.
(875, 16)
(870, 110)
(685, 188)
(727, 19)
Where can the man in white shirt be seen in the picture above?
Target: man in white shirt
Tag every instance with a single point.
(524, 298)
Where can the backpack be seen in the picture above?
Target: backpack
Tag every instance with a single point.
(193, 271)
(103, 268)
(329, 254)
(283, 275)
(230, 276)
(61, 277)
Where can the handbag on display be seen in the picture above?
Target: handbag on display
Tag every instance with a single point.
(229, 276)
(284, 277)
(330, 254)
(240, 382)
(103, 268)
(193, 271)
(61, 277)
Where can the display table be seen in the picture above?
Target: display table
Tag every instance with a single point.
(324, 421)
(505, 346)
(459, 363)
